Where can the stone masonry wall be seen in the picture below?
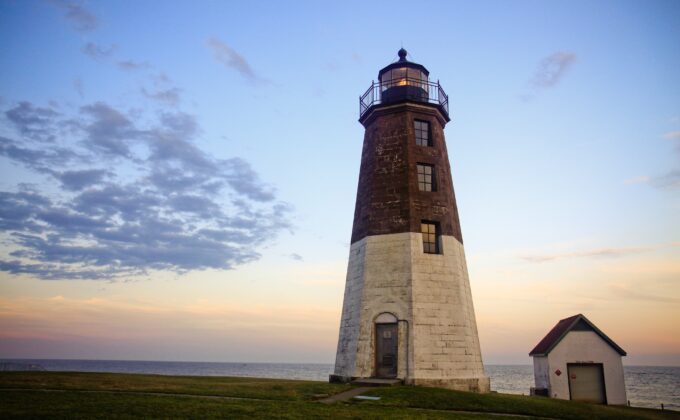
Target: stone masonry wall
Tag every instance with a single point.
(388, 198)
(430, 296)
(446, 344)
(387, 288)
(346, 355)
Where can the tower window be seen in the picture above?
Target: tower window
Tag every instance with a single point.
(430, 231)
(422, 129)
(426, 177)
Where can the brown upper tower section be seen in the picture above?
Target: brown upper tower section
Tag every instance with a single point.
(405, 177)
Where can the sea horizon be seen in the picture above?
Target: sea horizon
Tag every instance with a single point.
(3, 359)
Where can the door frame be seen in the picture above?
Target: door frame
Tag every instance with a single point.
(385, 318)
(604, 384)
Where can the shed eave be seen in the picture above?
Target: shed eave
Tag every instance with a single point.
(573, 320)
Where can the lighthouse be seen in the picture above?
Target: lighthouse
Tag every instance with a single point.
(407, 312)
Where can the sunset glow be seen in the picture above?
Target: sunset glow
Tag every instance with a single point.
(188, 194)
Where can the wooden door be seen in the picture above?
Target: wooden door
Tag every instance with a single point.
(586, 382)
(386, 350)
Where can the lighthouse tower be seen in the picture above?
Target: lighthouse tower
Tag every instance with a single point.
(407, 311)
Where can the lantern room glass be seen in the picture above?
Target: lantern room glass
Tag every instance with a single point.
(403, 76)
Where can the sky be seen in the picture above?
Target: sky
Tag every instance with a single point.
(177, 179)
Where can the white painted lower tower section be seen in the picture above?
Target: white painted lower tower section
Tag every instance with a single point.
(430, 296)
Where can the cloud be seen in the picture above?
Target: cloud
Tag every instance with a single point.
(107, 130)
(233, 60)
(670, 180)
(102, 53)
(17, 210)
(244, 180)
(549, 72)
(98, 52)
(672, 135)
(132, 65)
(161, 77)
(552, 69)
(78, 86)
(593, 253)
(296, 257)
(35, 123)
(78, 180)
(39, 159)
(628, 293)
(133, 193)
(82, 19)
(166, 96)
(637, 180)
(51, 271)
(331, 66)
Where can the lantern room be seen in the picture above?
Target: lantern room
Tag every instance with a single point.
(404, 81)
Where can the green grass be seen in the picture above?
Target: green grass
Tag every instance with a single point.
(443, 399)
(271, 389)
(74, 405)
(108, 395)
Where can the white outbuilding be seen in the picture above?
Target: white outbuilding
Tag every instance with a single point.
(576, 361)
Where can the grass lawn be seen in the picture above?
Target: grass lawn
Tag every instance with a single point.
(108, 395)
(443, 399)
(270, 389)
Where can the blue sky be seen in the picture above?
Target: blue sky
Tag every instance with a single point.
(161, 158)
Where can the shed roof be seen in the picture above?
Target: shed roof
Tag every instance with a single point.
(573, 323)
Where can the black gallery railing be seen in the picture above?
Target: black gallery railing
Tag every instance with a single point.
(396, 90)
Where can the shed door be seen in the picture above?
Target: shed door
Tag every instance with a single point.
(586, 382)
(386, 350)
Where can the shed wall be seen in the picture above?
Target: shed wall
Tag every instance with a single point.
(586, 347)
(541, 372)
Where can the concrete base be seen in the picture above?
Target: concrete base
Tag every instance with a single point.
(479, 385)
(339, 379)
(377, 382)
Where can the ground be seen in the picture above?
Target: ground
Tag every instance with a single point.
(109, 395)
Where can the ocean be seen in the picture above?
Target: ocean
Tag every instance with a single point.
(646, 386)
